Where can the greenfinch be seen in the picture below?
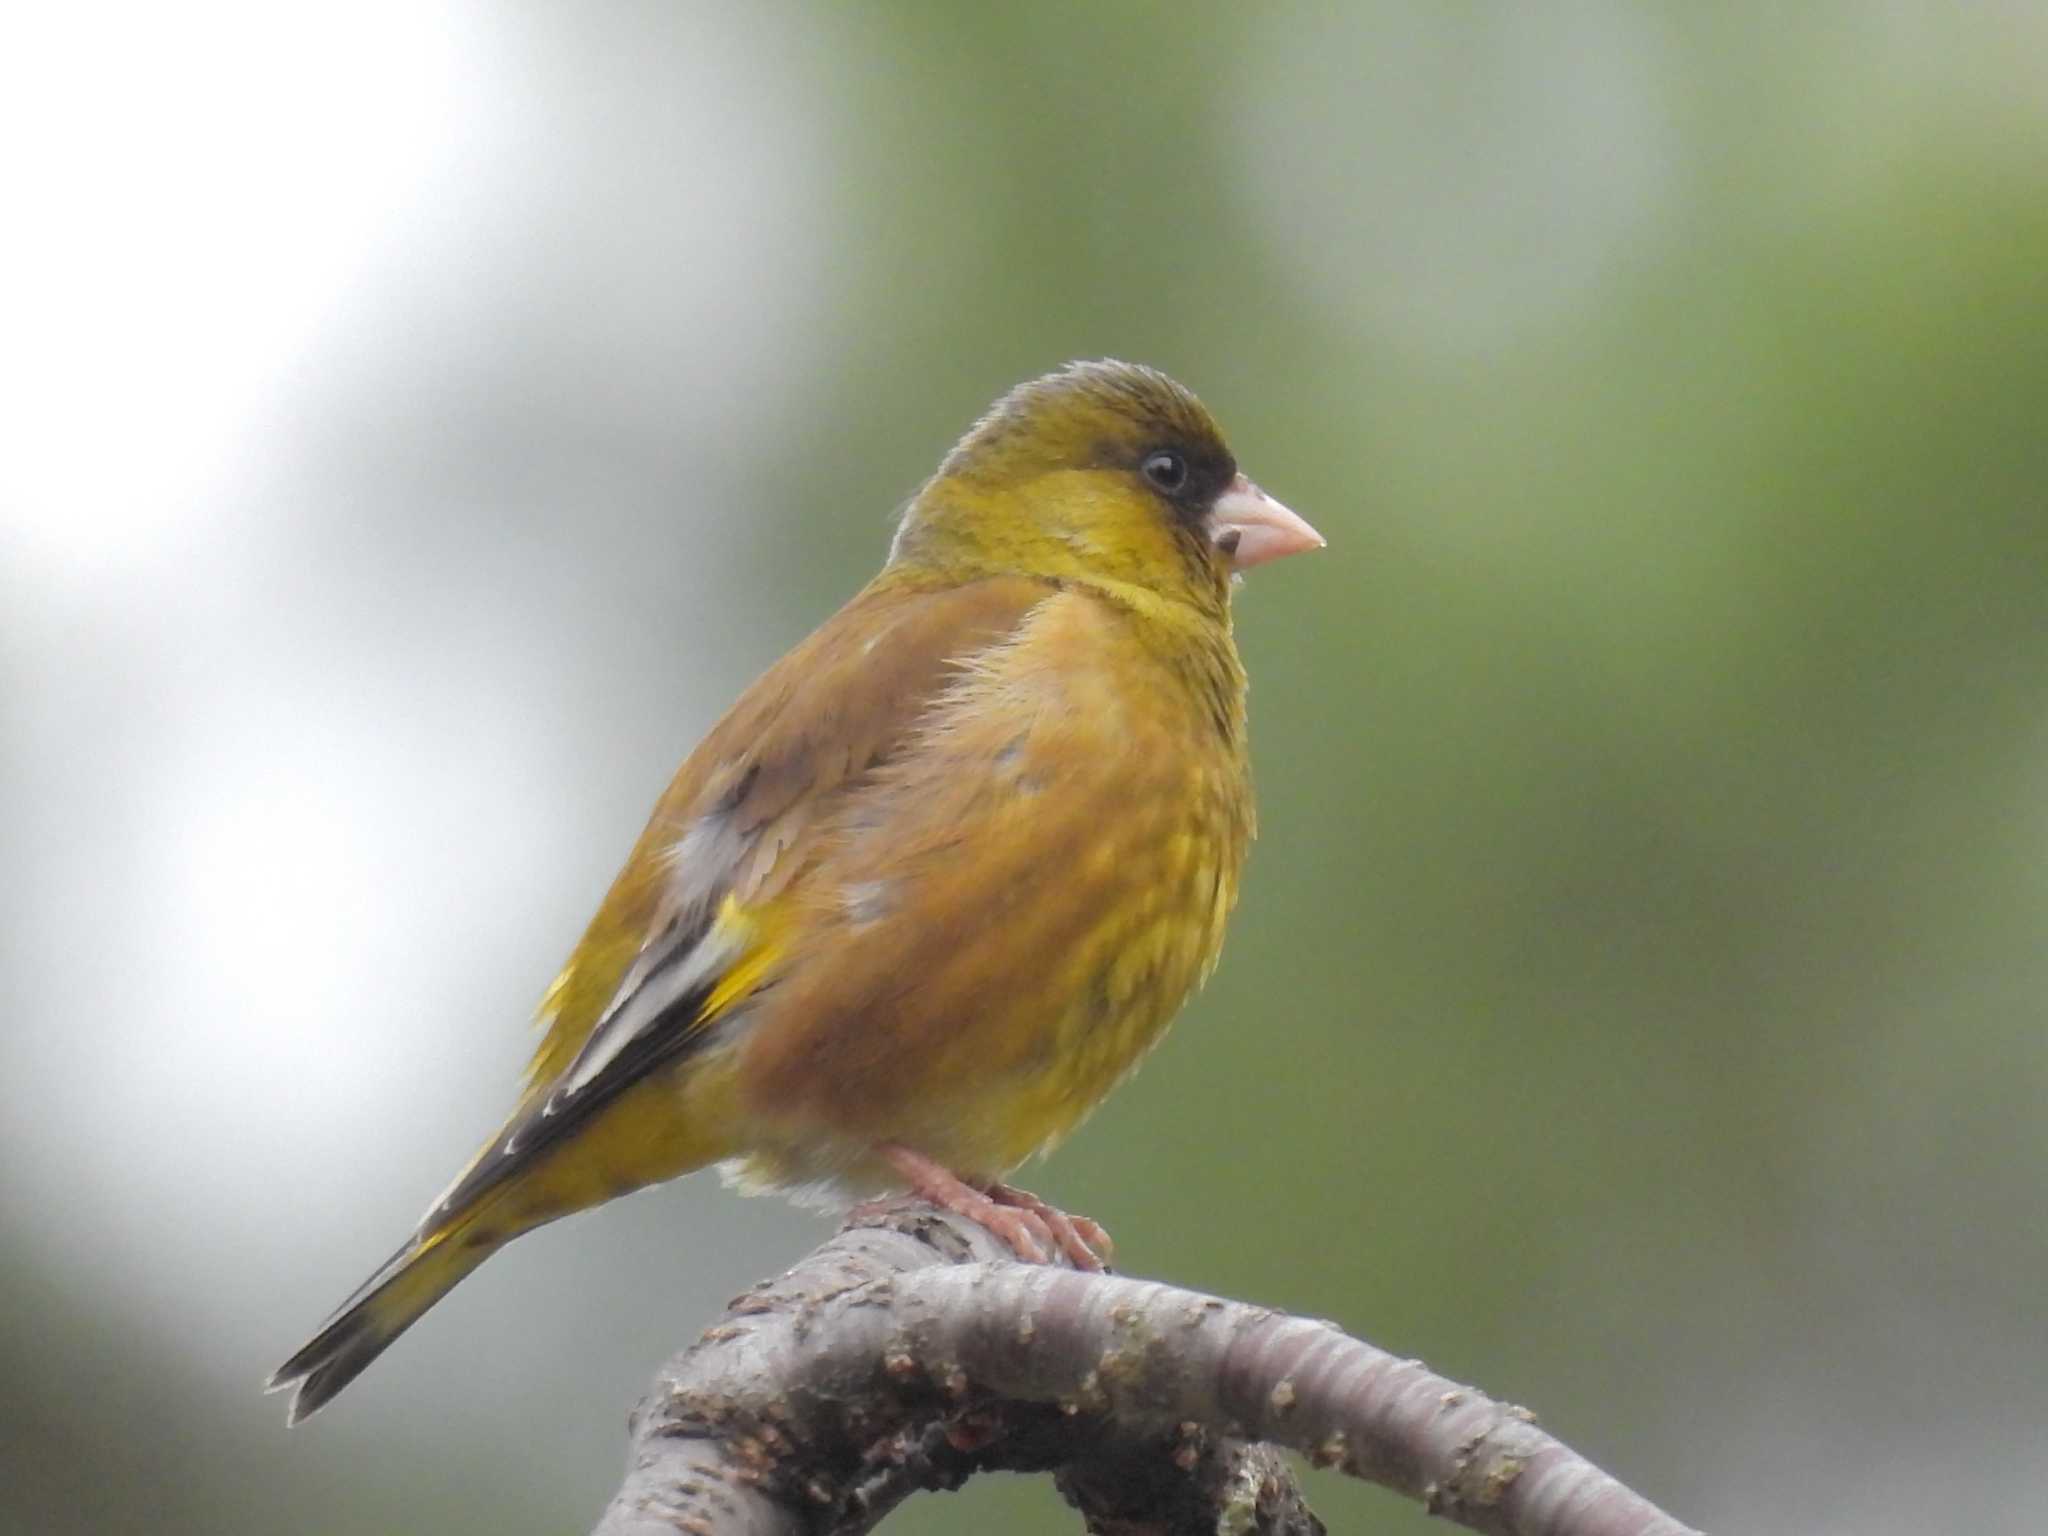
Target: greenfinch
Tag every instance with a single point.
(937, 882)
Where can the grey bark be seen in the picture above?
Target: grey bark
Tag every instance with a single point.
(910, 1352)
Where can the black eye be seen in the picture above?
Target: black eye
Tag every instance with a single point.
(1167, 470)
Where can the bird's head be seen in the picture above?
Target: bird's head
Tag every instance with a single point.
(1102, 473)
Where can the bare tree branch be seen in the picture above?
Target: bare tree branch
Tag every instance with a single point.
(909, 1353)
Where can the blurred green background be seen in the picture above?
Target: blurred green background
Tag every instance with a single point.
(424, 418)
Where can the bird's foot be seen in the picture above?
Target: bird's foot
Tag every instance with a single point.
(1080, 1238)
(1027, 1226)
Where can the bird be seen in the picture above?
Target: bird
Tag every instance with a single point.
(934, 885)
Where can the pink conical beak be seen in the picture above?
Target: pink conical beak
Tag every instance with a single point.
(1252, 528)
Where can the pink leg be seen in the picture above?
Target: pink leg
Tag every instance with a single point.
(1021, 1231)
(1028, 1226)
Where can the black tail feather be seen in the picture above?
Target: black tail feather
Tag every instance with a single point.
(367, 1324)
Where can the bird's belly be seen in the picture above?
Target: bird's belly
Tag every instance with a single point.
(1034, 1083)
(994, 1053)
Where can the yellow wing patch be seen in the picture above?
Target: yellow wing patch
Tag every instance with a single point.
(757, 956)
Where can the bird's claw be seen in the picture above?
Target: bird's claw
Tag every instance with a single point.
(1029, 1227)
(1086, 1246)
